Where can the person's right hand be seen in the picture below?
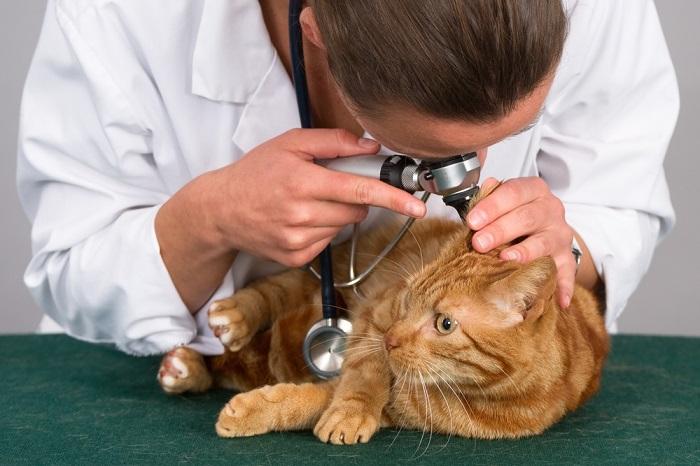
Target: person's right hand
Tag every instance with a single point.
(278, 204)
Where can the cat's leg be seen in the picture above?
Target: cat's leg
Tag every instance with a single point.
(236, 319)
(183, 370)
(280, 407)
(355, 413)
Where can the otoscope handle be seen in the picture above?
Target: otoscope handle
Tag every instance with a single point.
(396, 170)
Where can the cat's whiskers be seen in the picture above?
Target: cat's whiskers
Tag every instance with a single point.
(363, 353)
(400, 266)
(447, 405)
(420, 250)
(356, 349)
(428, 415)
(355, 339)
(366, 334)
(409, 376)
(318, 304)
(515, 386)
(480, 387)
(411, 259)
(397, 393)
(467, 409)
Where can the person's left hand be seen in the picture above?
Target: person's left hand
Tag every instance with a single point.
(526, 207)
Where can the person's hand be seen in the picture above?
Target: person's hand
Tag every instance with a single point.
(526, 207)
(278, 204)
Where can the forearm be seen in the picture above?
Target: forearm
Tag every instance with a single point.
(192, 249)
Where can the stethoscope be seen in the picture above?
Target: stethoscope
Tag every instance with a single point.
(455, 178)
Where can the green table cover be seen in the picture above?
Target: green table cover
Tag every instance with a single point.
(67, 402)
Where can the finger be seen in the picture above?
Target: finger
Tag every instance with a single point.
(532, 247)
(505, 198)
(305, 256)
(328, 143)
(337, 214)
(326, 214)
(566, 278)
(300, 239)
(361, 190)
(488, 183)
(524, 220)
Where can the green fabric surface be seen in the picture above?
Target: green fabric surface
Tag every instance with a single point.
(68, 402)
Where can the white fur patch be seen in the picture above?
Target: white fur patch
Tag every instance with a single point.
(226, 338)
(219, 321)
(168, 381)
(180, 366)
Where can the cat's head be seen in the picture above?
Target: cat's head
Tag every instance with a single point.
(470, 317)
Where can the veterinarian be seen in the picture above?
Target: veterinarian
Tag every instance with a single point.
(160, 169)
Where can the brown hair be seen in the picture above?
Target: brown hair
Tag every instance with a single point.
(468, 60)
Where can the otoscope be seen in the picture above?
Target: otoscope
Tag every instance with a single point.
(454, 178)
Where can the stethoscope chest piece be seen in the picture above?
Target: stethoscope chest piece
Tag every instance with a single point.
(324, 346)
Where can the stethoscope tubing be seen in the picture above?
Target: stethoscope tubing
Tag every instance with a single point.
(302, 93)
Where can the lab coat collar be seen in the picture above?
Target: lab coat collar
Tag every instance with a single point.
(232, 52)
(235, 61)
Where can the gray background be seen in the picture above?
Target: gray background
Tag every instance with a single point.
(667, 299)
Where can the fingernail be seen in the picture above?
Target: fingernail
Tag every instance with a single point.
(511, 255)
(368, 143)
(567, 301)
(483, 241)
(414, 209)
(476, 219)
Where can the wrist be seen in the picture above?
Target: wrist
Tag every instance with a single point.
(586, 274)
(190, 215)
(576, 251)
(210, 212)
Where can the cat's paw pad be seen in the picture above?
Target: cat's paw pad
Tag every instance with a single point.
(245, 415)
(183, 370)
(232, 326)
(346, 424)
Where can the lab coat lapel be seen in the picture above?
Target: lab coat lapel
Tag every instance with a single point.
(234, 61)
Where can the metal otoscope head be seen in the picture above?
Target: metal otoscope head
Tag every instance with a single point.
(455, 179)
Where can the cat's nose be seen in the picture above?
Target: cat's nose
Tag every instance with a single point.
(390, 341)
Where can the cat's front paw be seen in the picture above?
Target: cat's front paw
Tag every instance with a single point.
(234, 327)
(183, 370)
(248, 413)
(346, 424)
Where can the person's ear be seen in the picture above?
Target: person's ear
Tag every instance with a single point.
(309, 27)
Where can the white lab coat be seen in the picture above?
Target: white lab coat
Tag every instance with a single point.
(127, 101)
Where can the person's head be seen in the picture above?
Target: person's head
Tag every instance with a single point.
(440, 77)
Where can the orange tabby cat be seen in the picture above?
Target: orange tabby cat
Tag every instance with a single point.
(447, 339)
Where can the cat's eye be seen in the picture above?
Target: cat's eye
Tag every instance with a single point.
(444, 324)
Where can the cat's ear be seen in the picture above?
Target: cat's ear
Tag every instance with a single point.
(524, 293)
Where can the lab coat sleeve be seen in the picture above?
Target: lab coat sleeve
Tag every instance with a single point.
(606, 127)
(89, 183)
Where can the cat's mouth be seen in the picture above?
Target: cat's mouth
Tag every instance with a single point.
(404, 365)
